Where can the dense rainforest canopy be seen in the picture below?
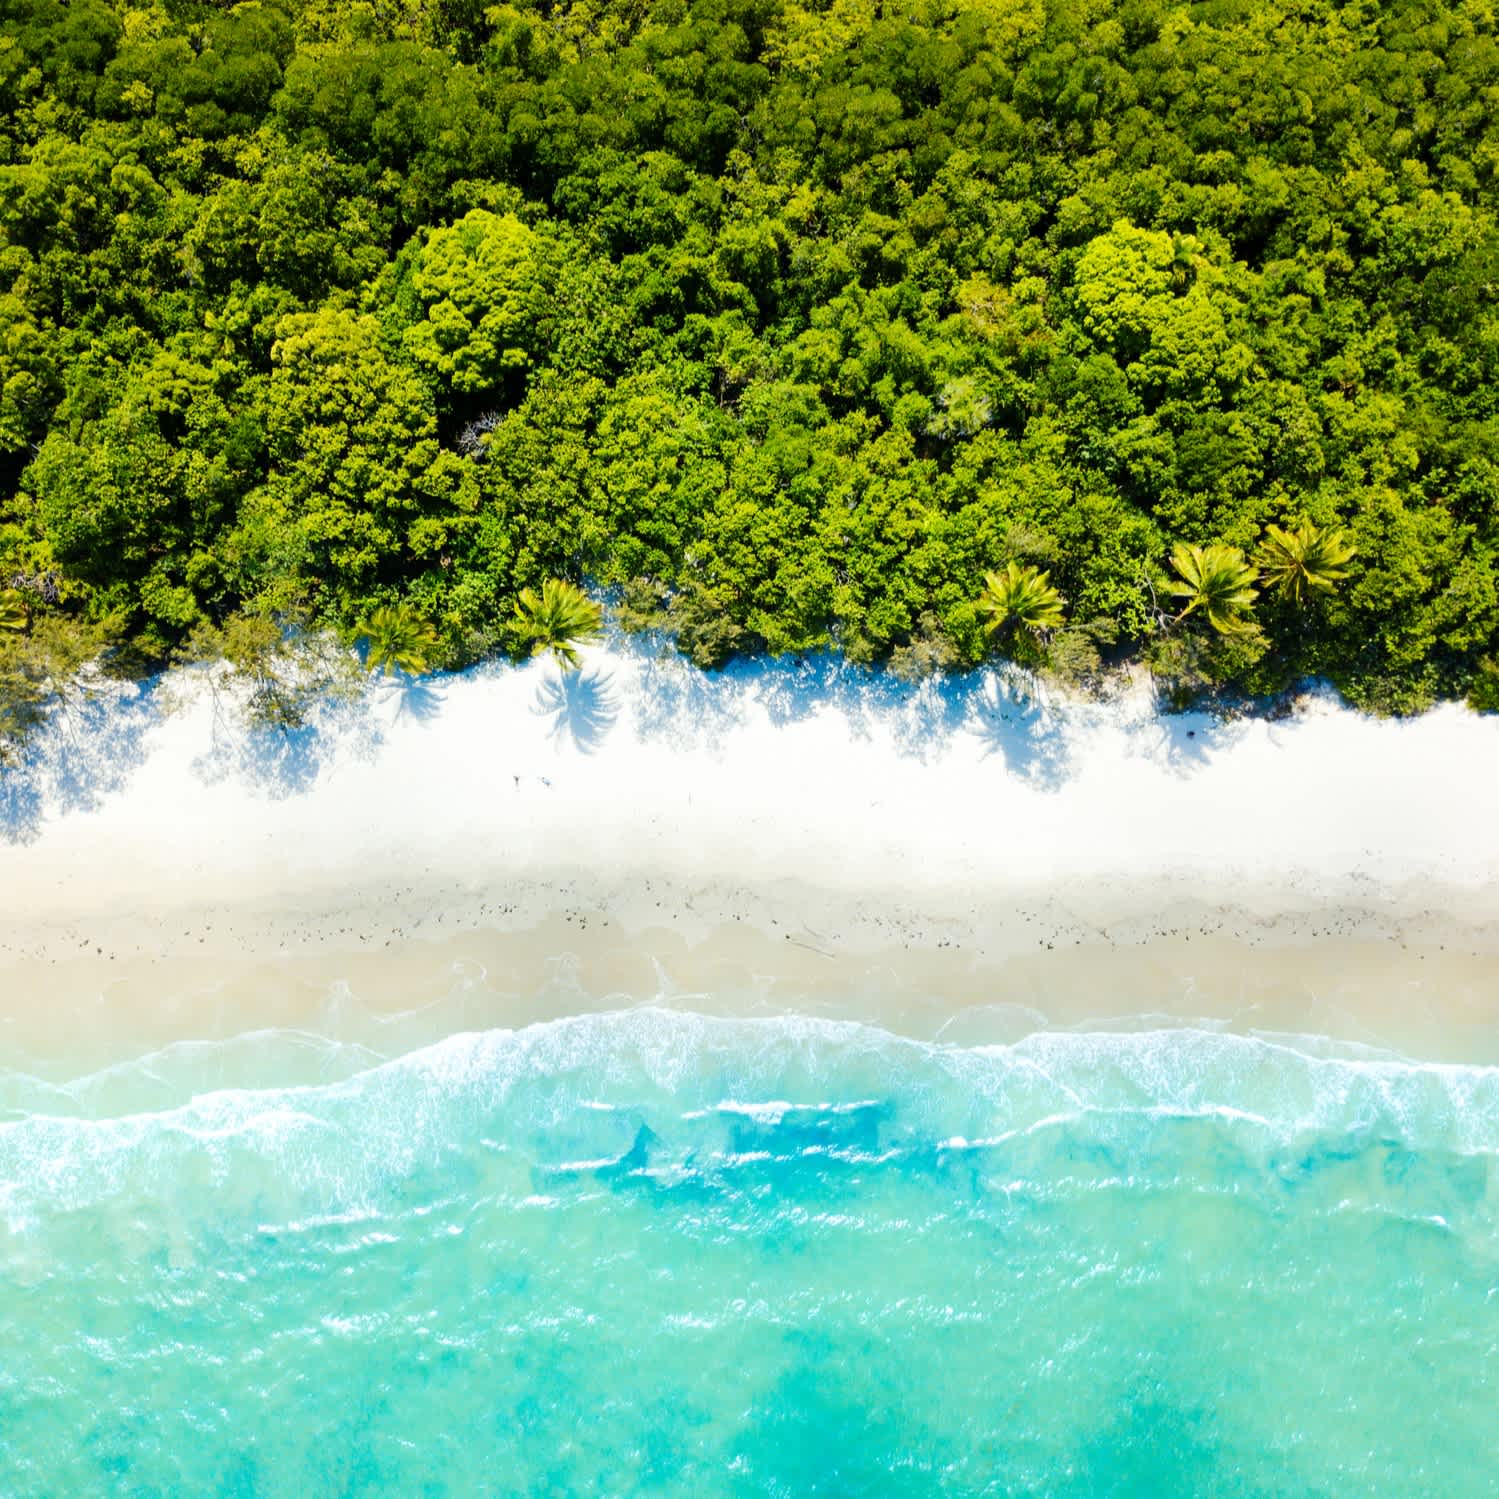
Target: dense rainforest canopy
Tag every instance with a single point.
(792, 323)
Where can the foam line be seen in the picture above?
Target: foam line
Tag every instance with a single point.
(662, 1089)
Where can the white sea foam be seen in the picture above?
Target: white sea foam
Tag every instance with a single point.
(678, 1087)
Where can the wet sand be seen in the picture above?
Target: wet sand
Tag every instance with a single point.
(970, 858)
(1413, 969)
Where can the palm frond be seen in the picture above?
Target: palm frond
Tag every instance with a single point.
(1217, 580)
(399, 640)
(1020, 596)
(1304, 560)
(556, 618)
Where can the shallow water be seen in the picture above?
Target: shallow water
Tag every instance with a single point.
(651, 1252)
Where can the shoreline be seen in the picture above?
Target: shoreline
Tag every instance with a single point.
(959, 858)
(1411, 970)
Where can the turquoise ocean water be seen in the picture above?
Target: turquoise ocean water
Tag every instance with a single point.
(652, 1253)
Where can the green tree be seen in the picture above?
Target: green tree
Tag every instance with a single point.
(1216, 580)
(1172, 333)
(43, 674)
(276, 672)
(359, 491)
(399, 639)
(480, 283)
(27, 374)
(1019, 601)
(12, 611)
(1483, 695)
(110, 497)
(557, 618)
(791, 317)
(1304, 560)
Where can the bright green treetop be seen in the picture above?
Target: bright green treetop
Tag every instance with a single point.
(1217, 580)
(557, 618)
(481, 283)
(1160, 307)
(1307, 558)
(399, 640)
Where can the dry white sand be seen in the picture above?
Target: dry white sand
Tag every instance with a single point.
(964, 858)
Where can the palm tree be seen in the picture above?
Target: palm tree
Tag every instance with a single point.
(1019, 598)
(1217, 580)
(399, 639)
(1308, 558)
(557, 619)
(12, 611)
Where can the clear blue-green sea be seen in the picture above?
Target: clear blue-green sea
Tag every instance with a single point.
(653, 1253)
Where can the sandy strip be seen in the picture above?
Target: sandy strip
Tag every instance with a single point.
(967, 858)
(1414, 970)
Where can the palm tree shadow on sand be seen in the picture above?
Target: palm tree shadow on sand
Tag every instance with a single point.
(582, 705)
(1036, 731)
(417, 699)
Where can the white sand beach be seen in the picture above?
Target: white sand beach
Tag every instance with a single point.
(969, 858)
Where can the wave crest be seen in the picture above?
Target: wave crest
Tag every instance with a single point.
(665, 1097)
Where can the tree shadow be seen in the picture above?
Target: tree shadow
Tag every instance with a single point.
(1188, 741)
(797, 689)
(674, 699)
(279, 762)
(1012, 718)
(582, 705)
(1036, 729)
(934, 710)
(22, 803)
(87, 751)
(1005, 708)
(287, 762)
(418, 699)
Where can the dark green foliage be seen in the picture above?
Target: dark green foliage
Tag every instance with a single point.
(793, 320)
